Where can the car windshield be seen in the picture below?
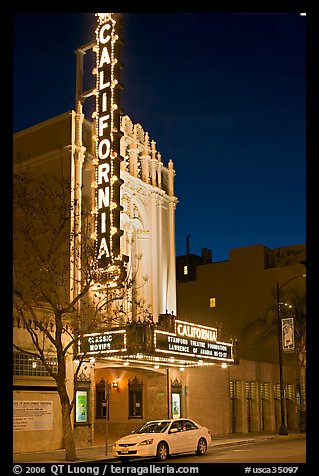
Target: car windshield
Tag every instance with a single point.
(153, 427)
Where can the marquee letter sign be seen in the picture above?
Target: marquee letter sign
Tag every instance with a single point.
(193, 341)
(103, 343)
(108, 181)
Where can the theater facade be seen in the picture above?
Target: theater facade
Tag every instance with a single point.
(144, 362)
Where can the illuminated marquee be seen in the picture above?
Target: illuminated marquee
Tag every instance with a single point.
(190, 345)
(196, 331)
(105, 343)
(193, 341)
(108, 181)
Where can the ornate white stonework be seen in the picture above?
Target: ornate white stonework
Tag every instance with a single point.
(148, 218)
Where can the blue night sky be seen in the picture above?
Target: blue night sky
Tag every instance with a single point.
(222, 94)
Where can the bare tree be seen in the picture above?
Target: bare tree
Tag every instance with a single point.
(51, 303)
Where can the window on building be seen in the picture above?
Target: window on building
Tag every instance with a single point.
(264, 409)
(212, 302)
(276, 389)
(290, 392)
(185, 270)
(264, 390)
(135, 398)
(25, 364)
(100, 400)
(236, 390)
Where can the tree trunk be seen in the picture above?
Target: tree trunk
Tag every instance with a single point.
(68, 432)
(301, 357)
(303, 404)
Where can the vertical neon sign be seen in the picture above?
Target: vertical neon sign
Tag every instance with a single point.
(108, 181)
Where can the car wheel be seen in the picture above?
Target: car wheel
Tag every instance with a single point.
(162, 451)
(201, 447)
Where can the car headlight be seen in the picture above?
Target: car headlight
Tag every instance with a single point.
(146, 442)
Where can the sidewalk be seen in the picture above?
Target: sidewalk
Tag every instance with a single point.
(97, 453)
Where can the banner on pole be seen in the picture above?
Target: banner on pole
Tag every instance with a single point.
(288, 334)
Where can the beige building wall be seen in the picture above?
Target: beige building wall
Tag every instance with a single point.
(35, 430)
(207, 393)
(206, 397)
(256, 396)
(154, 400)
(36, 439)
(244, 288)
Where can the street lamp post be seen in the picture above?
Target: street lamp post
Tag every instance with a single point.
(283, 430)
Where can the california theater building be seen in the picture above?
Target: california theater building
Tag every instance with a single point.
(148, 363)
(146, 367)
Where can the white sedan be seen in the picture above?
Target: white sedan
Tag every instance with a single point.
(162, 438)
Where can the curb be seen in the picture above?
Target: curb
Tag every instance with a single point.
(257, 439)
